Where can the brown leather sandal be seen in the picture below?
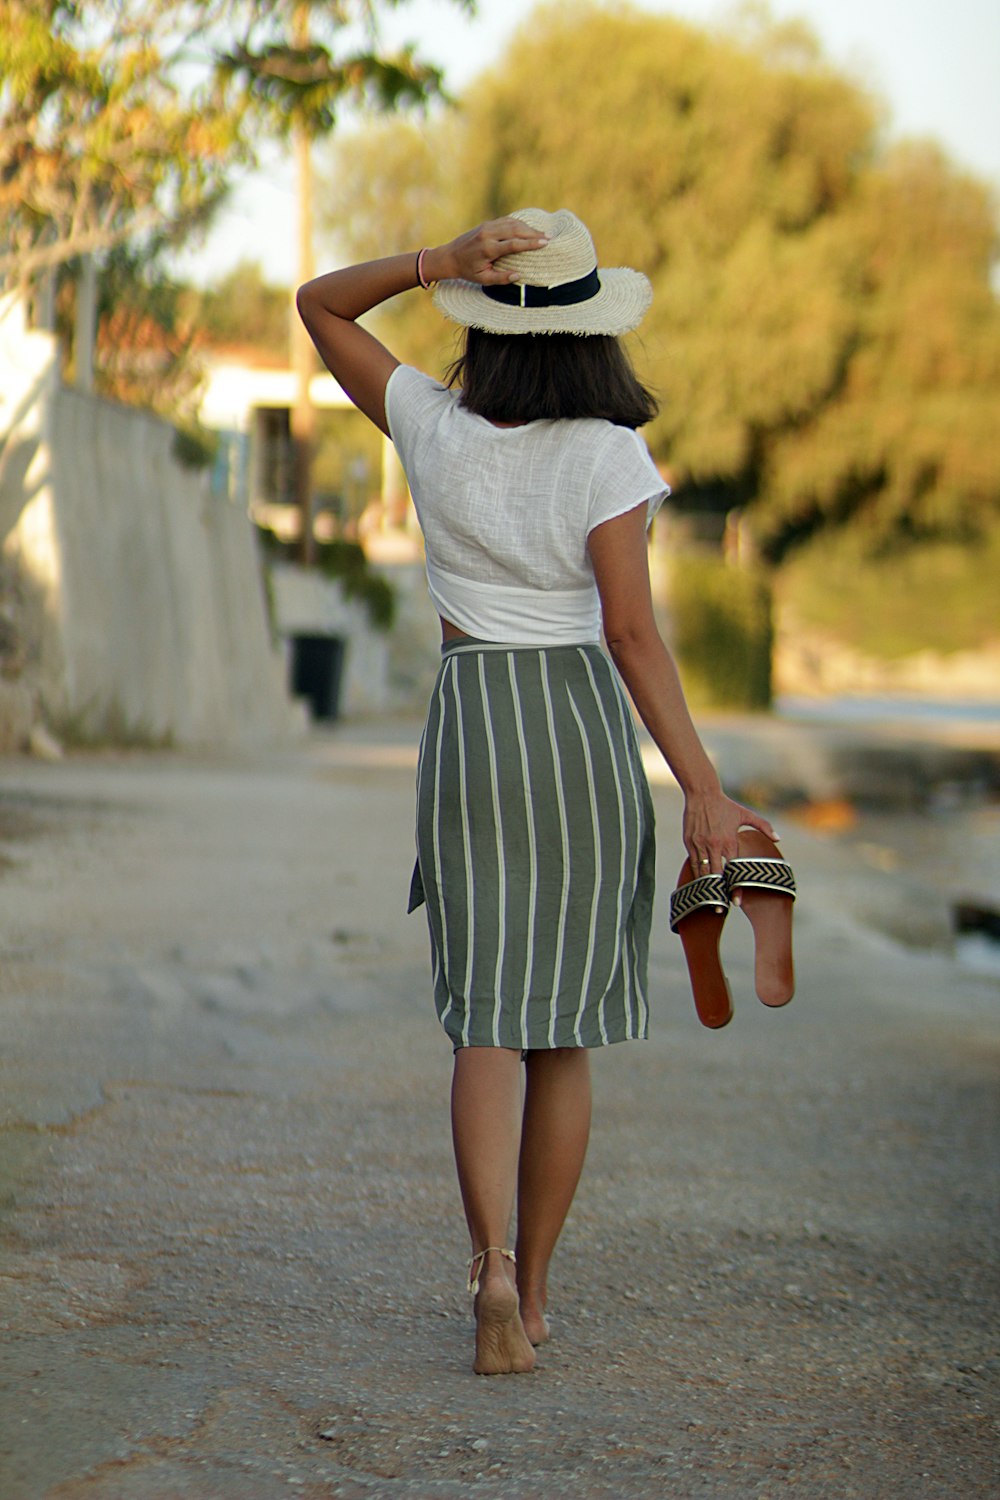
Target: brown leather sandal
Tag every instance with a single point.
(766, 887)
(698, 909)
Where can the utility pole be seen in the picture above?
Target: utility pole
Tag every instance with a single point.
(303, 416)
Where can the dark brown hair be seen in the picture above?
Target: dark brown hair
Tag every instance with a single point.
(528, 377)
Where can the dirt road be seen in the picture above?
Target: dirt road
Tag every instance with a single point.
(233, 1254)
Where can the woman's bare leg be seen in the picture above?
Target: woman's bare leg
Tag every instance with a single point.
(486, 1128)
(554, 1134)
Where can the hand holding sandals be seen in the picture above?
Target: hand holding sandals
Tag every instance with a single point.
(756, 878)
(712, 822)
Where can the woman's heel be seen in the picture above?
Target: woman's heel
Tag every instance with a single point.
(502, 1346)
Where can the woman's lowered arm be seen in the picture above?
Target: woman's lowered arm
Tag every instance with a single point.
(618, 553)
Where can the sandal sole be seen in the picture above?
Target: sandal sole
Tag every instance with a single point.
(770, 915)
(699, 933)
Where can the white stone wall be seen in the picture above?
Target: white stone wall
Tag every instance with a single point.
(29, 374)
(138, 594)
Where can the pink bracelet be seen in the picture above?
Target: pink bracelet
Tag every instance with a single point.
(420, 269)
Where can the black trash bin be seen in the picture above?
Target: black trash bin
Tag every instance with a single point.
(317, 663)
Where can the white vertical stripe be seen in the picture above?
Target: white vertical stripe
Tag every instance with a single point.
(561, 806)
(620, 898)
(628, 982)
(628, 733)
(470, 928)
(447, 672)
(422, 755)
(529, 819)
(640, 992)
(598, 879)
(501, 862)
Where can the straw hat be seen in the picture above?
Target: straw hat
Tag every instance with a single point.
(557, 289)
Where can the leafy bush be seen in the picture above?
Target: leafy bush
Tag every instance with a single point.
(194, 447)
(346, 562)
(897, 600)
(722, 633)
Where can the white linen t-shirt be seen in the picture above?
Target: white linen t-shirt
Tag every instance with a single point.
(506, 511)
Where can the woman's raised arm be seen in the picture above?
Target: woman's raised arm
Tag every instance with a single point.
(330, 305)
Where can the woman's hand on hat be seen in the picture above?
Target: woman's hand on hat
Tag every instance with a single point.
(472, 256)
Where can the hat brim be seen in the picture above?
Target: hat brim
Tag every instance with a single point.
(619, 306)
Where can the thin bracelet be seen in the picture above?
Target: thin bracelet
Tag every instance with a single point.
(420, 270)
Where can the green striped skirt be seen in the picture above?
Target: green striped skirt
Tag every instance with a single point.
(535, 848)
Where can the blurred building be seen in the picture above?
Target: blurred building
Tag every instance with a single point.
(250, 407)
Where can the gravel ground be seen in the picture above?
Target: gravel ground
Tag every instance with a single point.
(232, 1248)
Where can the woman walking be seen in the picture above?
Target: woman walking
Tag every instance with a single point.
(534, 822)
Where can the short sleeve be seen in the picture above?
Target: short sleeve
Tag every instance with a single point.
(413, 404)
(624, 476)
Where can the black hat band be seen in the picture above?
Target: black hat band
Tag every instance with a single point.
(523, 295)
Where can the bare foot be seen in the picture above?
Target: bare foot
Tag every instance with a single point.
(535, 1328)
(536, 1325)
(502, 1346)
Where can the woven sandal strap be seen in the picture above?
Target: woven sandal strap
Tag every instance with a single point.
(707, 890)
(764, 874)
(474, 1274)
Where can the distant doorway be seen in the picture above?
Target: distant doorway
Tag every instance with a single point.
(317, 669)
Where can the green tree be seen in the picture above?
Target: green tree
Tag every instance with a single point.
(824, 336)
(389, 188)
(120, 118)
(148, 335)
(123, 117)
(907, 442)
(289, 66)
(97, 146)
(242, 309)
